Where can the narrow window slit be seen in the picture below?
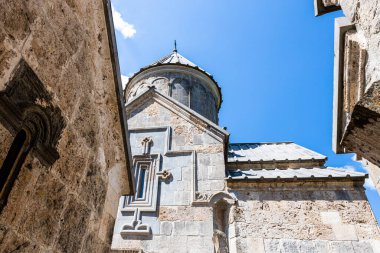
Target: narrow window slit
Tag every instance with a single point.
(12, 164)
(141, 186)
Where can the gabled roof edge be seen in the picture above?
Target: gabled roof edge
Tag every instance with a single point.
(208, 122)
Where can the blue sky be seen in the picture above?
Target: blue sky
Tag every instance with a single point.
(273, 60)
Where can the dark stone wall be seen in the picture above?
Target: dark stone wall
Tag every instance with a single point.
(203, 102)
(69, 205)
(181, 91)
(6, 141)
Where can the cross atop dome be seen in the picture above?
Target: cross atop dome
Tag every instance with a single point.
(175, 46)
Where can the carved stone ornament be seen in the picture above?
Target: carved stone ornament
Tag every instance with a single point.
(201, 196)
(26, 103)
(325, 6)
(146, 144)
(136, 227)
(164, 175)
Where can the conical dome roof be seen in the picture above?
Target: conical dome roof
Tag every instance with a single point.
(171, 61)
(175, 58)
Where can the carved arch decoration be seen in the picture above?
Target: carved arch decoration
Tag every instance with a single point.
(222, 196)
(161, 84)
(180, 90)
(26, 103)
(137, 90)
(221, 204)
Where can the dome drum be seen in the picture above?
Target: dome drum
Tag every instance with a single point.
(193, 88)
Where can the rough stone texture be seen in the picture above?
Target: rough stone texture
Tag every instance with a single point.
(6, 142)
(374, 172)
(363, 128)
(71, 205)
(200, 210)
(302, 220)
(364, 15)
(330, 2)
(358, 94)
(195, 158)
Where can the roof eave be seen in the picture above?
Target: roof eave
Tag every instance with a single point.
(298, 179)
(321, 160)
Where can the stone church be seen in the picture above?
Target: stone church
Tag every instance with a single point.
(88, 167)
(197, 192)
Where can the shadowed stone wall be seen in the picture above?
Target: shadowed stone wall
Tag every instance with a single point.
(364, 14)
(356, 126)
(69, 205)
(374, 172)
(6, 141)
(361, 77)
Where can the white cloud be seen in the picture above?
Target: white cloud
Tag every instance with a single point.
(126, 29)
(353, 158)
(369, 185)
(350, 168)
(124, 80)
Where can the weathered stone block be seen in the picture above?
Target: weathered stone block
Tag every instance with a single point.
(182, 197)
(73, 224)
(166, 228)
(341, 247)
(367, 232)
(217, 185)
(255, 245)
(362, 247)
(198, 140)
(11, 242)
(206, 228)
(215, 173)
(345, 232)
(330, 218)
(308, 246)
(179, 228)
(192, 227)
(94, 245)
(93, 186)
(47, 203)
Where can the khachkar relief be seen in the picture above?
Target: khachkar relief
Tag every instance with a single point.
(152, 155)
(147, 173)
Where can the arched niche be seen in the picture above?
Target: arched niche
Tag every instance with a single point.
(28, 113)
(180, 90)
(221, 204)
(162, 85)
(137, 90)
(26, 104)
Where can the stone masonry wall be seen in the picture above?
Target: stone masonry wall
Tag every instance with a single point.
(176, 225)
(6, 141)
(364, 120)
(185, 135)
(365, 15)
(71, 205)
(374, 173)
(314, 217)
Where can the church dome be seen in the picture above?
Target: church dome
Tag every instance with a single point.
(179, 78)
